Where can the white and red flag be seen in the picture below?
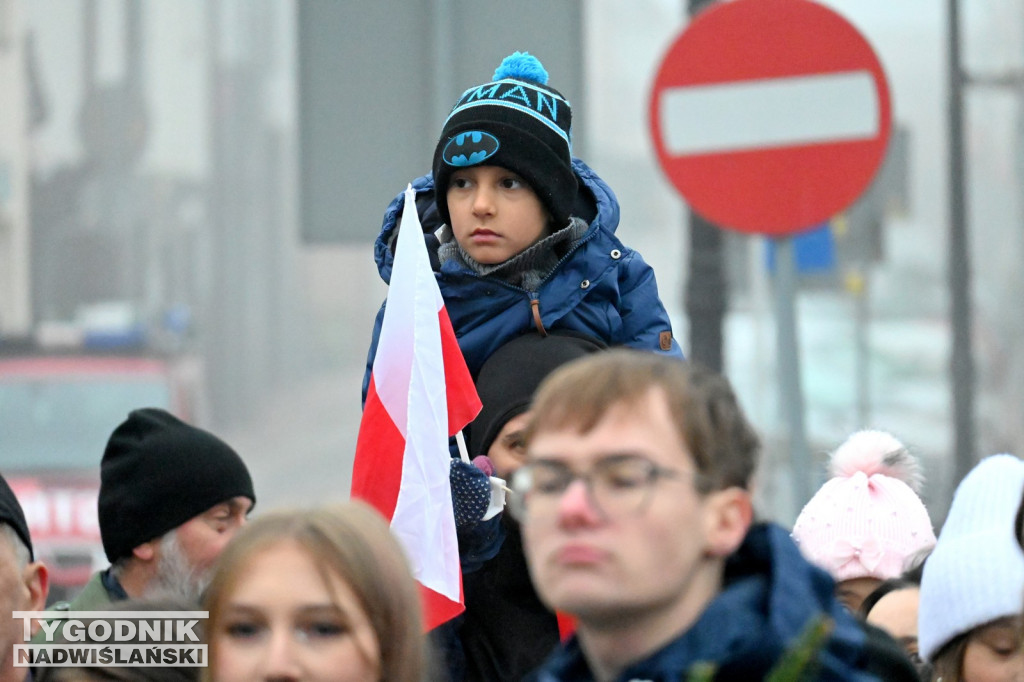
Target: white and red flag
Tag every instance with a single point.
(420, 394)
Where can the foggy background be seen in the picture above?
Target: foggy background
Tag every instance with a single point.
(224, 165)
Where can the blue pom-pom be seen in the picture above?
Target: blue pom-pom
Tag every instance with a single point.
(523, 66)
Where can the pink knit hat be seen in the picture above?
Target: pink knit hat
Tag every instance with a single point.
(867, 521)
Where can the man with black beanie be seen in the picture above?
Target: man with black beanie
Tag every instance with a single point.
(24, 582)
(171, 497)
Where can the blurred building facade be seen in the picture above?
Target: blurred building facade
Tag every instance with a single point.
(158, 157)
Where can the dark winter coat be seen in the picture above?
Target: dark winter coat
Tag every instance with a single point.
(601, 287)
(506, 631)
(770, 596)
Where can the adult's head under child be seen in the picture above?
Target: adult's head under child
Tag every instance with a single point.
(507, 631)
(506, 384)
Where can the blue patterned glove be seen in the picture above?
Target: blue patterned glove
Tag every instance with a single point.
(471, 491)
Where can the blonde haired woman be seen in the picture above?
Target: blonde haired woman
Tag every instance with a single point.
(323, 594)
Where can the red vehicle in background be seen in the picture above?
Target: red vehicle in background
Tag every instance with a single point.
(57, 410)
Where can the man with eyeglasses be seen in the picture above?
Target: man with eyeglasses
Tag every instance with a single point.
(637, 519)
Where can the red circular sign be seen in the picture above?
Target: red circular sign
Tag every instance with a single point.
(770, 116)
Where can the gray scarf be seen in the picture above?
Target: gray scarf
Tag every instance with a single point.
(526, 269)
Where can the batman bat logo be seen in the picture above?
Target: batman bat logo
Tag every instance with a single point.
(470, 148)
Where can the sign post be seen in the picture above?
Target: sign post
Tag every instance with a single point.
(770, 117)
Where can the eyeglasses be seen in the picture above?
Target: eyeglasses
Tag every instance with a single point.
(617, 485)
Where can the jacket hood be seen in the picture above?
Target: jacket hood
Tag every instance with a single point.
(595, 203)
(787, 594)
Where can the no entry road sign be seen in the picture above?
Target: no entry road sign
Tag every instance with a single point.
(770, 116)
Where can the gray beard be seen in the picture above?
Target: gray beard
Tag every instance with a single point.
(175, 578)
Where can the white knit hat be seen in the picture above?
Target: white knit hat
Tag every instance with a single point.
(867, 520)
(976, 572)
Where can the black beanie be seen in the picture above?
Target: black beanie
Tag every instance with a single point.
(510, 376)
(517, 122)
(12, 514)
(157, 473)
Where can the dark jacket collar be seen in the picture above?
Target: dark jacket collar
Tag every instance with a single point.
(113, 586)
(770, 596)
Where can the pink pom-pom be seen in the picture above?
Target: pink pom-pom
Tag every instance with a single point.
(876, 452)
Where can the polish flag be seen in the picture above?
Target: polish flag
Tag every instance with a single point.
(420, 394)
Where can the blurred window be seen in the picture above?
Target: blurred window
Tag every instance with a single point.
(53, 423)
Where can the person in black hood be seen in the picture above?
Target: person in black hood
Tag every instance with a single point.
(505, 631)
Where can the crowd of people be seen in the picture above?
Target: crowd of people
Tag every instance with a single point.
(629, 548)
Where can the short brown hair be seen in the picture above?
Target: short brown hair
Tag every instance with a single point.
(350, 540)
(703, 406)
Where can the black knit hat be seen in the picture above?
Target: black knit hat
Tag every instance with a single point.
(510, 376)
(157, 473)
(517, 122)
(12, 514)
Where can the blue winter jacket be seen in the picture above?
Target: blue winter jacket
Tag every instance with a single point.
(769, 597)
(600, 287)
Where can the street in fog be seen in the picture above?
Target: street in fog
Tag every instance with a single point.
(176, 179)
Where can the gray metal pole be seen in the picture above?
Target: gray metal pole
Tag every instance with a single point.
(90, 14)
(791, 399)
(862, 322)
(706, 292)
(444, 90)
(961, 361)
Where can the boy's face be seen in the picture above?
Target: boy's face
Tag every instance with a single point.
(495, 213)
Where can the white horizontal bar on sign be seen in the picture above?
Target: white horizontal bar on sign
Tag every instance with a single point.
(762, 114)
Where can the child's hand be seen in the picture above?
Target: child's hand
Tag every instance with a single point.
(471, 489)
